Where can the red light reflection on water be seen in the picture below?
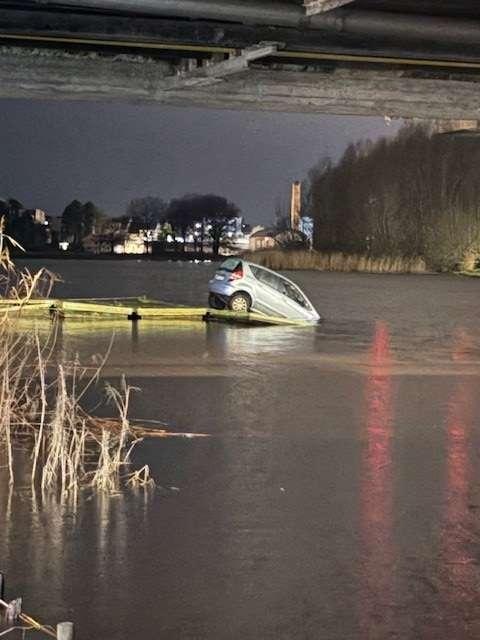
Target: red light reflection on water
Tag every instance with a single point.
(376, 495)
(458, 573)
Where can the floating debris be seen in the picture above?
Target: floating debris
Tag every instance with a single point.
(139, 431)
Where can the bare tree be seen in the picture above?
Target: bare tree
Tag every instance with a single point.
(213, 213)
(414, 195)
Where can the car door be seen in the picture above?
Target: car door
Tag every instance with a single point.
(269, 297)
(263, 299)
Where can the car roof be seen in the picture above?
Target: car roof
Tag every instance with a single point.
(275, 273)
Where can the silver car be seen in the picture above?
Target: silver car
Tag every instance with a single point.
(242, 286)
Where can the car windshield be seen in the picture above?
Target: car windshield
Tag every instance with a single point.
(294, 294)
(280, 284)
(230, 264)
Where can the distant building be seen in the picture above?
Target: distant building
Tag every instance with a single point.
(98, 243)
(236, 237)
(39, 216)
(133, 236)
(306, 227)
(121, 236)
(296, 205)
(135, 244)
(262, 239)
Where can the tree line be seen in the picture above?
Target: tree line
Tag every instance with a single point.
(80, 220)
(417, 194)
(206, 217)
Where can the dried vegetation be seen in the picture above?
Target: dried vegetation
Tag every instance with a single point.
(336, 261)
(41, 398)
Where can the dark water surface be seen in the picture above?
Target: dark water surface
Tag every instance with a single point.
(339, 494)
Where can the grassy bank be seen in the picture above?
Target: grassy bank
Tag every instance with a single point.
(335, 261)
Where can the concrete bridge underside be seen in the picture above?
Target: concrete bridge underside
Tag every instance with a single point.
(317, 58)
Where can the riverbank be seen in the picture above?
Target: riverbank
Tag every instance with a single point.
(276, 259)
(336, 261)
(186, 256)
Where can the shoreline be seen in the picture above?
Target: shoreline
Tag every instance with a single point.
(187, 257)
(337, 262)
(275, 260)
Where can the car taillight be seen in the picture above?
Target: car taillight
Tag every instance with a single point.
(236, 274)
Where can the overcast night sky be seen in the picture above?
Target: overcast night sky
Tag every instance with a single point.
(53, 152)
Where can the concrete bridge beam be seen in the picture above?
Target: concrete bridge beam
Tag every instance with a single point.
(40, 73)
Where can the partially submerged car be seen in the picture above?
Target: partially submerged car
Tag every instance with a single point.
(243, 286)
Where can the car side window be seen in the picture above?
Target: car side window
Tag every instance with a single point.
(274, 282)
(256, 272)
(265, 277)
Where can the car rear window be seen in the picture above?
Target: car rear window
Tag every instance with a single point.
(230, 264)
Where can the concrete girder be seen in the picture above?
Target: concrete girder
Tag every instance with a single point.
(337, 31)
(453, 126)
(457, 128)
(312, 7)
(351, 22)
(31, 73)
(216, 72)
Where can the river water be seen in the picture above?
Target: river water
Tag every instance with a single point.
(338, 496)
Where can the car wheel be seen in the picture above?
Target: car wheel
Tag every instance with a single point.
(215, 303)
(240, 302)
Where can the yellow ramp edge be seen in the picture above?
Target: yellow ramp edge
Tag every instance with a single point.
(139, 308)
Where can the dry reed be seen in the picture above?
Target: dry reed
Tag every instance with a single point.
(279, 260)
(41, 401)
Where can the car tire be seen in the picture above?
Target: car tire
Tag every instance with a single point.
(240, 302)
(214, 302)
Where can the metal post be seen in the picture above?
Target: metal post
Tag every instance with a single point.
(2, 586)
(65, 631)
